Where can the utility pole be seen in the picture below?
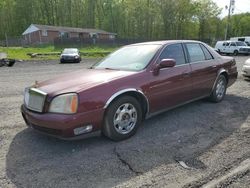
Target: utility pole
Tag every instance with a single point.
(6, 40)
(230, 9)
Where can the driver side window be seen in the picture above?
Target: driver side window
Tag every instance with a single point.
(174, 51)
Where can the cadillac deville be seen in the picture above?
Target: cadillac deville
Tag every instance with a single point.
(133, 83)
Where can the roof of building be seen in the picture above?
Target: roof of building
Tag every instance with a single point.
(36, 27)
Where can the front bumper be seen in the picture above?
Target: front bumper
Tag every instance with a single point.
(61, 125)
(69, 59)
(246, 70)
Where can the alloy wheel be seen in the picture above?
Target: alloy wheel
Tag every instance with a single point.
(125, 118)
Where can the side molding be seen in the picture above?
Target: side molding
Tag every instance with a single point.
(124, 91)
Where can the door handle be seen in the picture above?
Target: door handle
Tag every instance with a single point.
(214, 66)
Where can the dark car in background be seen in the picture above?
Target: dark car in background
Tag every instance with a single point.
(70, 55)
(131, 84)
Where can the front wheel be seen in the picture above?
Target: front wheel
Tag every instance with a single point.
(122, 118)
(235, 52)
(219, 90)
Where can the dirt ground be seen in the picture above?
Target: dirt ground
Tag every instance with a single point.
(201, 144)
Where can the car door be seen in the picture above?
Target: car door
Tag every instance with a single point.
(171, 86)
(225, 47)
(232, 47)
(204, 69)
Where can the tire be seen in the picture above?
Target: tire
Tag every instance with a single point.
(11, 62)
(235, 52)
(117, 129)
(219, 90)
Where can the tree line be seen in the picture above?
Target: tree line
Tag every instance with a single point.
(135, 19)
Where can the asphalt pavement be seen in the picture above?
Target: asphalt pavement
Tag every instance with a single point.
(201, 144)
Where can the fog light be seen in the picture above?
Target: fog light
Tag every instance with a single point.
(81, 130)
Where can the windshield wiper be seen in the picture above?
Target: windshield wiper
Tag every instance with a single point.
(108, 68)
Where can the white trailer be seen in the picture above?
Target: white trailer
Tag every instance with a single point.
(245, 39)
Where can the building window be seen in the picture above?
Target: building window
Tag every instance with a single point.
(44, 33)
(94, 35)
(64, 34)
(112, 36)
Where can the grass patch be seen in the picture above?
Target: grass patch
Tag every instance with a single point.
(20, 53)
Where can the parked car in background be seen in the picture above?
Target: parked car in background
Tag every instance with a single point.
(246, 69)
(4, 61)
(70, 55)
(245, 39)
(232, 47)
(133, 83)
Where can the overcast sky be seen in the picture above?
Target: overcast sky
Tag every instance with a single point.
(240, 6)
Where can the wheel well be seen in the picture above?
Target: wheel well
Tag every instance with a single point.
(138, 96)
(226, 75)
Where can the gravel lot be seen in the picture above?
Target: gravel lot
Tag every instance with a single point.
(211, 140)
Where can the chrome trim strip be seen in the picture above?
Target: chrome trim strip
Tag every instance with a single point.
(124, 91)
(147, 112)
(38, 91)
(219, 73)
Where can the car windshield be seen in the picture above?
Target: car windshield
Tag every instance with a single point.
(134, 58)
(241, 44)
(69, 51)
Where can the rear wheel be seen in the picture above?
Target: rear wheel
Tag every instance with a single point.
(122, 118)
(219, 90)
(235, 52)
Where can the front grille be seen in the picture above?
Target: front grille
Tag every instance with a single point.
(34, 99)
(68, 57)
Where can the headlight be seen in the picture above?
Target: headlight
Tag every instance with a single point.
(77, 56)
(65, 104)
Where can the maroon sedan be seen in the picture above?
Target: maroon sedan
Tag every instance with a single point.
(131, 84)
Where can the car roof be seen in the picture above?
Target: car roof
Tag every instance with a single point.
(70, 49)
(163, 42)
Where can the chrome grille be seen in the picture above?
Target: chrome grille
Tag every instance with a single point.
(34, 99)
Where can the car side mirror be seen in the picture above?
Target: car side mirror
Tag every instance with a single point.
(165, 63)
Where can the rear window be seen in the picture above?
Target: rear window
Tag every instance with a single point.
(240, 44)
(208, 55)
(195, 52)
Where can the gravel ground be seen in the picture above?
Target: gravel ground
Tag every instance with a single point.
(211, 140)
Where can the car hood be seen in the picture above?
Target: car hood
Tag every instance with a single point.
(80, 80)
